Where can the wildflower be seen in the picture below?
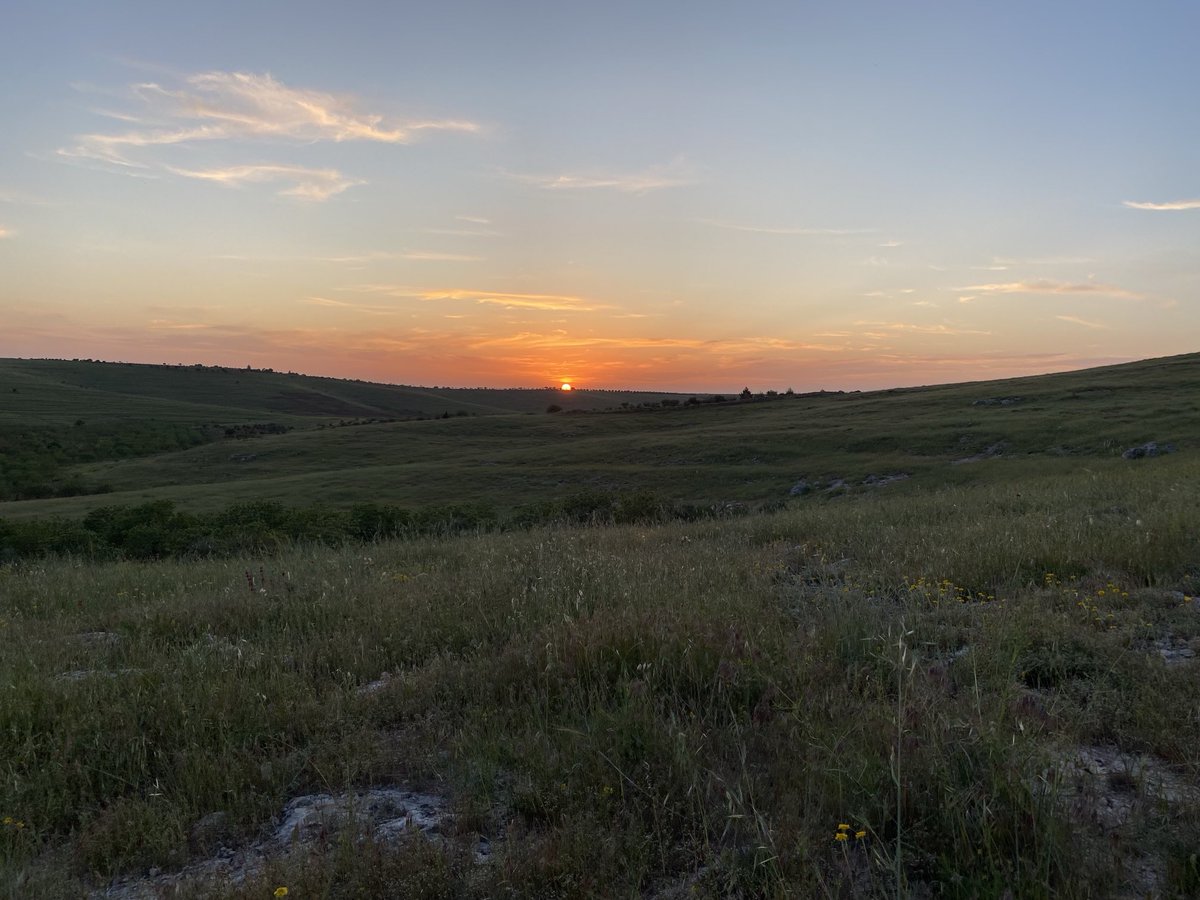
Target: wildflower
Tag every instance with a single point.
(841, 836)
(859, 835)
(8, 820)
(280, 891)
(843, 827)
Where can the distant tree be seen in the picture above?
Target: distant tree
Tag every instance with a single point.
(746, 395)
(789, 392)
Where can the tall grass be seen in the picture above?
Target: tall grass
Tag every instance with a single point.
(626, 710)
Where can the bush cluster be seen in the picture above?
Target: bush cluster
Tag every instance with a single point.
(159, 530)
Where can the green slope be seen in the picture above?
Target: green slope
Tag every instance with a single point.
(711, 453)
(55, 391)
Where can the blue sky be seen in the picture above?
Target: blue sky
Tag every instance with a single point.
(674, 195)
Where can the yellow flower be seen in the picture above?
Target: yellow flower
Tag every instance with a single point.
(843, 828)
(860, 834)
(8, 820)
(841, 836)
(281, 891)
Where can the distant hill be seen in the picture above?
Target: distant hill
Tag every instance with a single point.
(152, 432)
(53, 391)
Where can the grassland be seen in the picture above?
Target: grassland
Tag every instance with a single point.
(986, 671)
(59, 415)
(712, 453)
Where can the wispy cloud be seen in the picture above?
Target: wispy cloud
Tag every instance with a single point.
(892, 244)
(306, 183)
(434, 256)
(1046, 286)
(474, 220)
(941, 329)
(351, 307)
(1006, 261)
(243, 107)
(1075, 320)
(462, 232)
(213, 106)
(555, 302)
(677, 173)
(506, 299)
(788, 230)
(565, 340)
(21, 198)
(1168, 206)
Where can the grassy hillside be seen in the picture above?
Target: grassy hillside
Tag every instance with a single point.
(985, 691)
(58, 390)
(977, 681)
(59, 413)
(712, 453)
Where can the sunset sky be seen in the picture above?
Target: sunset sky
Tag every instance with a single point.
(669, 195)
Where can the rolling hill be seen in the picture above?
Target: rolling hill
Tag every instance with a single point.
(709, 453)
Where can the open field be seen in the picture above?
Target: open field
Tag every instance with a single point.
(983, 677)
(59, 415)
(736, 451)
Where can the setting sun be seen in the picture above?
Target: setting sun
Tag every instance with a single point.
(566, 386)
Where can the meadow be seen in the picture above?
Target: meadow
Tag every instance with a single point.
(977, 681)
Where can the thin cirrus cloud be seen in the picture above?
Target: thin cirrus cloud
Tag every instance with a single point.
(1075, 320)
(677, 173)
(902, 327)
(302, 182)
(351, 307)
(785, 230)
(562, 340)
(1168, 206)
(1046, 286)
(241, 107)
(506, 299)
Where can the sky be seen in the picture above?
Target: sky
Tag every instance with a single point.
(688, 196)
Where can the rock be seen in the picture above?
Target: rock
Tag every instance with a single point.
(989, 452)
(393, 812)
(1150, 448)
(881, 480)
(800, 488)
(836, 484)
(997, 401)
(1175, 651)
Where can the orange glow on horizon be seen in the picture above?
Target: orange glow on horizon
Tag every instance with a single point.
(566, 386)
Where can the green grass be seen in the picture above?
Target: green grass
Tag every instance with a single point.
(622, 709)
(713, 453)
(642, 711)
